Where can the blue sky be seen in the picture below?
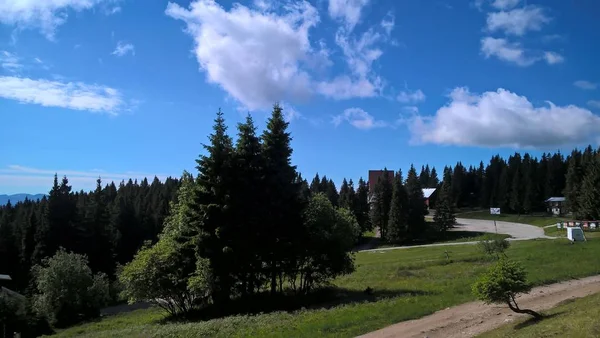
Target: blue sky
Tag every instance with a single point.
(127, 88)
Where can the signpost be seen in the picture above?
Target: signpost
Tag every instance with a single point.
(495, 211)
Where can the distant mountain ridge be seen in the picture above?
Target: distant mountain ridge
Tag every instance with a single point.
(18, 198)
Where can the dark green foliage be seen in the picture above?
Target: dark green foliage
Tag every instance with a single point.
(416, 206)
(502, 283)
(589, 194)
(398, 221)
(434, 181)
(381, 198)
(361, 208)
(444, 217)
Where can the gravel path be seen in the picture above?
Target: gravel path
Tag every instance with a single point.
(471, 319)
(518, 232)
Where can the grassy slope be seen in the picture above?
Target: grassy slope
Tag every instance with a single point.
(407, 283)
(574, 318)
(527, 219)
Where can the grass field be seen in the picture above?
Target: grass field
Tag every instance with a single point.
(555, 232)
(574, 318)
(407, 284)
(537, 220)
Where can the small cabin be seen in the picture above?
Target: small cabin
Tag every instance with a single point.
(556, 205)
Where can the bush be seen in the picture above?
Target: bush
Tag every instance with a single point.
(159, 275)
(495, 247)
(17, 315)
(67, 292)
(501, 283)
(331, 234)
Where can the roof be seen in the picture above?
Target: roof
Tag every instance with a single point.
(556, 199)
(427, 192)
(11, 293)
(5, 277)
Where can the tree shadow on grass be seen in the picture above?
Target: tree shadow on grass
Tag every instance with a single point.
(533, 321)
(324, 298)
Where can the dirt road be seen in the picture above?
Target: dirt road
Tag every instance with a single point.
(471, 319)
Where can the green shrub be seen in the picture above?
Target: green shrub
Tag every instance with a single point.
(501, 283)
(66, 290)
(495, 247)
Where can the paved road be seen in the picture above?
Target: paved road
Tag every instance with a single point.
(518, 232)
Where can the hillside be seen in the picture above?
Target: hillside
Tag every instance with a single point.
(15, 198)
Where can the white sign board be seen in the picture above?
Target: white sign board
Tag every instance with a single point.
(494, 211)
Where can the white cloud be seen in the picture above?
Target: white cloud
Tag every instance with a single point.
(44, 15)
(71, 95)
(359, 119)
(505, 4)
(348, 11)
(388, 23)
(594, 103)
(411, 97)
(254, 56)
(113, 10)
(506, 51)
(583, 84)
(517, 21)
(553, 58)
(343, 87)
(10, 62)
(123, 49)
(504, 119)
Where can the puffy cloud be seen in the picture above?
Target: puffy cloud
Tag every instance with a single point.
(348, 11)
(504, 119)
(517, 21)
(583, 84)
(254, 56)
(553, 58)
(411, 97)
(123, 49)
(359, 119)
(45, 15)
(506, 51)
(343, 87)
(505, 4)
(77, 96)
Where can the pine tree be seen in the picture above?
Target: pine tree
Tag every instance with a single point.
(573, 182)
(315, 185)
(502, 195)
(210, 211)
(377, 212)
(284, 218)
(515, 192)
(100, 237)
(397, 224)
(444, 217)
(332, 193)
(416, 206)
(345, 199)
(362, 207)
(425, 176)
(434, 181)
(383, 199)
(589, 198)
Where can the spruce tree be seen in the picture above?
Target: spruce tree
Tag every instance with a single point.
(425, 176)
(210, 210)
(444, 217)
(377, 209)
(315, 185)
(397, 224)
(416, 206)
(345, 199)
(362, 207)
(515, 192)
(573, 182)
(283, 220)
(434, 181)
(247, 201)
(332, 193)
(589, 198)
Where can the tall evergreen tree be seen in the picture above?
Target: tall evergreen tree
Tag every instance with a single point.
(416, 206)
(361, 210)
(444, 217)
(332, 193)
(345, 198)
(397, 223)
(589, 198)
(434, 181)
(210, 211)
(573, 182)
(315, 185)
(284, 220)
(425, 176)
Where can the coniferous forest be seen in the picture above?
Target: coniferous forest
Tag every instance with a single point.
(247, 225)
